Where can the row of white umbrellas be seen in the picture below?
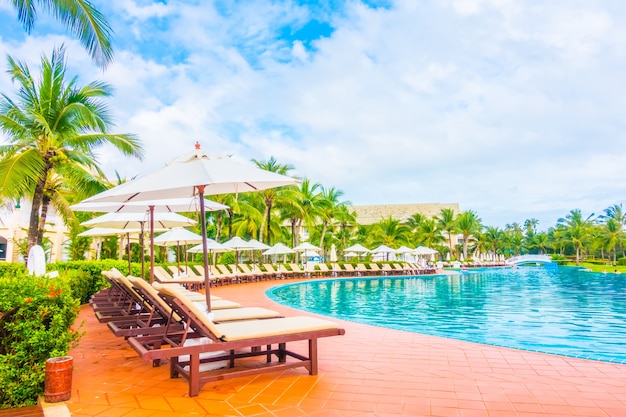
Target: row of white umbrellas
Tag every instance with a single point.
(194, 174)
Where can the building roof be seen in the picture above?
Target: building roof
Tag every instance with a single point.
(374, 213)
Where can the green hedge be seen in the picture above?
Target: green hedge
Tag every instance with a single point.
(36, 319)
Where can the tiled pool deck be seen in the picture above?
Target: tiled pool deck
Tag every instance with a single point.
(369, 371)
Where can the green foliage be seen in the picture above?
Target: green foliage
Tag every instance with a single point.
(10, 269)
(621, 261)
(85, 277)
(226, 258)
(36, 319)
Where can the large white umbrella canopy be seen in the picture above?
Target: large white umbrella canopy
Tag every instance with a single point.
(237, 243)
(108, 231)
(306, 246)
(356, 248)
(423, 250)
(170, 205)
(258, 245)
(279, 249)
(211, 245)
(383, 250)
(138, 220)
(196, 173)
(176, 236)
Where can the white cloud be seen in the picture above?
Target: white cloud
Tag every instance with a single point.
(510, 109)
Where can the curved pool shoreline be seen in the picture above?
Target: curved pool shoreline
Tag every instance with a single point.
(565, 312)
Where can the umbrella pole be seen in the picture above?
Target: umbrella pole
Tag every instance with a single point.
(205, 255)
(128, 250)
(178, 255)
(151, 245)
(142, 250)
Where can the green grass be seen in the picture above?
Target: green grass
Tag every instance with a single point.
(600, 268)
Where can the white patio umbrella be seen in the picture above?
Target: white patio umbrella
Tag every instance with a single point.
(356, 248)
(163, 205)
(350, 255)
(176, 236)
(167, 205)
(279, 249)
(306, 246)
(196, 173)
(109, 231)
(237, 243)
(211, 246)
(404, 250)
(138, 220)
(333, 253)
(383, 250)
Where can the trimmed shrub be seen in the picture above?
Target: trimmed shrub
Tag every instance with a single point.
(36, 319)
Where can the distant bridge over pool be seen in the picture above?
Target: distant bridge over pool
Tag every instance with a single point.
(531, 259)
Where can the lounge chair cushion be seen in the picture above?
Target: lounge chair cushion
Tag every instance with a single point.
(241, 330)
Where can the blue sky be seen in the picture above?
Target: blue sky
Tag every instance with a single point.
(512, 109)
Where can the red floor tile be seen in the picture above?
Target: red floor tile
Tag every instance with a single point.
(370, 371)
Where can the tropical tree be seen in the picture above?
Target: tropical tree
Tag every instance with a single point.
(305, 209)
(446, 221)
(272, 195)
(611, 235)
(80, 17)
(390, 232)
(428, 234)
(53, 128)
(494, 238)
(616, 212)
(329, 208)
(469, 224)
(577, 230)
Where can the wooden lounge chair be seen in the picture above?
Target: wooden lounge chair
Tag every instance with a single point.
(248, 274)
(191, 282)
(235, 276)
(375, 269)
(284, 272)
(335, 269)
(231, 342)
(220, 277)
(297, 272)
(361, 269)
(272, 273)
(323, 270)
(350, 269)
(386, 269)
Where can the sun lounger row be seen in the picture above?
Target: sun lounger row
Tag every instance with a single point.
(167, 321)
(210, 351)
(230, 274)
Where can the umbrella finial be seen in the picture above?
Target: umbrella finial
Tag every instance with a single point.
(197, 145)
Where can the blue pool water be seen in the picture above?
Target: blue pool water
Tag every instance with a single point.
(562, 311)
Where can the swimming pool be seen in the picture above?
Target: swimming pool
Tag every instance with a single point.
(563, 311)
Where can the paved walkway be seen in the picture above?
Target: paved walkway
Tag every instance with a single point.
(370, 371)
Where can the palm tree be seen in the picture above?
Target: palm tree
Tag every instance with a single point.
(616, 212)
(577, 230)
(307, 201)
(447, 222)
(469, 224)
(493, 237)
(80, 17)
(429, 234)
(612, 233)
(53, 128)
(271, 195)
(390, 232)
(329, 208)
